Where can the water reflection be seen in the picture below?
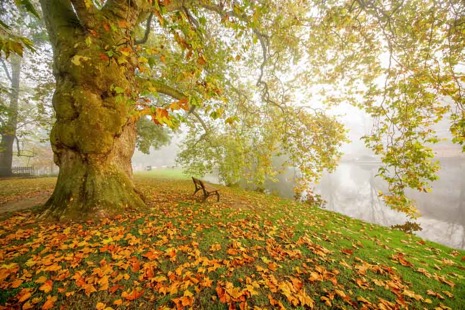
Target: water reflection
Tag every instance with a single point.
(352, 190)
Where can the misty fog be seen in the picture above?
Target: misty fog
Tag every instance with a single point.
(353, 188)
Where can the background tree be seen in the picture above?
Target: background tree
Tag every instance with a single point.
(11, 42)
(26, 87)
(10, 123)
(151, 135)
(244, 148)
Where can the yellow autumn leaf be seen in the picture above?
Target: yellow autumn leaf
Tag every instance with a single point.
(46, 287)
(100, 306)
(41, 280)
(49, 303)
(77, 60)
(24, 295)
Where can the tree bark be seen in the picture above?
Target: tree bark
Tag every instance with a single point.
(9, 130)
(93, 139)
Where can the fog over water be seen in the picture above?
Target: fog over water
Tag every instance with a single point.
(352, 189)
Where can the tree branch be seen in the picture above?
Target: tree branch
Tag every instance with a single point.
(148, 27)
(264, 40)
(191, 18)
(132, 11)
(174, 93)
(168, 90)
(264, 43)
(61, 21)
(172, 6)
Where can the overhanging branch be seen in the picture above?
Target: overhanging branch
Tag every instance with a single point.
(174, 93)
(262, 38)
(264, 44)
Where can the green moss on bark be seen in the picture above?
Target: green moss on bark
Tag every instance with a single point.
(94, 137)
(86, 191)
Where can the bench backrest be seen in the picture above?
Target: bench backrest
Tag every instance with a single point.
(198, 184)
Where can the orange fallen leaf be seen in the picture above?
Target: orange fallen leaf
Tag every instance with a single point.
(221, 292)
(206, 282)
(36, 300)
(27, 305)
(150, 255)
(326, 301)
(215, 247)
(135, 265)
(272, 266)
(114, 288)
(41, 280)
(275, 303)
(400, 258)
(134, 294)
(46, 287)
(412, 295)
(100, 306)
(53, 267)
(89, 288)
(448, 294)
(103, 282)
(347, 251)
(16, 283)
(24, 295)
(364, 300)
(444, 280)
(49, 302)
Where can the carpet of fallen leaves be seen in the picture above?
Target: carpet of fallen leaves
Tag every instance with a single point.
(249, 251)
(24, 188)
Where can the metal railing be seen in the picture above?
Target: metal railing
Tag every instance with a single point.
(23, 170)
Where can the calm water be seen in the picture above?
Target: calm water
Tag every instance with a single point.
(353, 190)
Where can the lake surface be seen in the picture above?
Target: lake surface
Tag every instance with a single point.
(353, 190)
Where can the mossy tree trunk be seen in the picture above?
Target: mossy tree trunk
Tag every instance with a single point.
(94, 136)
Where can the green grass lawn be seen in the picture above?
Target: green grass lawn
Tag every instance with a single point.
(249, 251)
(164, 173)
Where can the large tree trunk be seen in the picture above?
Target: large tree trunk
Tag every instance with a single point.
(9, 130)
(94, 136)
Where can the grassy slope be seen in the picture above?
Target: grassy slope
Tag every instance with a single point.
(248, 250)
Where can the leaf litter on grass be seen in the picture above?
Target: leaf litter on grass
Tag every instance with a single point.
(249, 251)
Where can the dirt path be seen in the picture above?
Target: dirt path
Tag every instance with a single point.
(26, 202)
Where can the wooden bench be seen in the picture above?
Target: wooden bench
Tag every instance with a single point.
(206, 189)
